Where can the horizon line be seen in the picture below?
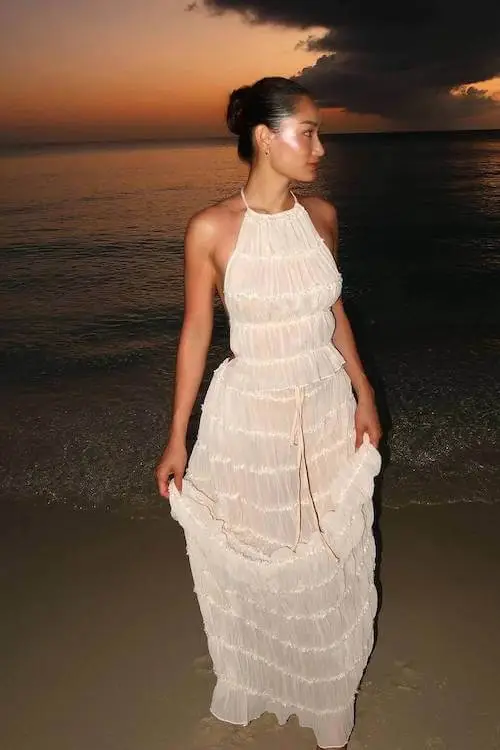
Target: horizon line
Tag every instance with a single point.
(7, 145)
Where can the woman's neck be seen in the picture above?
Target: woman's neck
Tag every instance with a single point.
(267, 193)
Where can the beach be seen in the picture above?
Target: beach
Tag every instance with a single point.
(102, 640)
(103, 645)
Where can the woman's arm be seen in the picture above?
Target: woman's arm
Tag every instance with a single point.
(343, 338)
(196, 331)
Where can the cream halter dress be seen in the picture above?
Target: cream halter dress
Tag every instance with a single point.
(276, 504)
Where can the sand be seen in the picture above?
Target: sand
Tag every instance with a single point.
(103, 647)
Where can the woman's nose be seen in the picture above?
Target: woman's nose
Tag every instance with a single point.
(318, 148)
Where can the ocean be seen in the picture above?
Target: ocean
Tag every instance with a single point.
(91, 292)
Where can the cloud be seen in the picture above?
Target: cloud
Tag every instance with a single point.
(410, 62)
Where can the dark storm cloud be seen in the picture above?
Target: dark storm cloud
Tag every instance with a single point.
(396, 59)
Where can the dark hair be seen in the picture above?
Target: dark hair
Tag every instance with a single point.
(266, 102)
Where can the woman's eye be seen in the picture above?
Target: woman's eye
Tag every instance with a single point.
(308, 133)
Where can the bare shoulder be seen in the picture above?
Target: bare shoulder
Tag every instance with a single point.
(321, 211)
(208, 226)
(324, 217)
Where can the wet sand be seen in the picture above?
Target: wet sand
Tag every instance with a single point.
(103, 646)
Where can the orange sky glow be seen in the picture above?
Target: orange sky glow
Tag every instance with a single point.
(84, 71)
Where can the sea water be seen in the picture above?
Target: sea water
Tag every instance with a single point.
(91, 249)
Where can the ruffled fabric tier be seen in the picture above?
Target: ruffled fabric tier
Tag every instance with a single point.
(289, 631)
(280, 570)
(246, 459)
(280, 285)
(277, 373)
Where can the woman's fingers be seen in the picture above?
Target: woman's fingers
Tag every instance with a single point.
(374, 434)
(171, 464)
(162, 476)
(370, 429)
(359, 436)
(178, 480)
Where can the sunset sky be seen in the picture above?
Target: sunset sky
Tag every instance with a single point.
(109, 69)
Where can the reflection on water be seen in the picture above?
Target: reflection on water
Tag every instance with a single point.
(112, 195)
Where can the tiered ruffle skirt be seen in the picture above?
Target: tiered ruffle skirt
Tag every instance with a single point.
(289, 625)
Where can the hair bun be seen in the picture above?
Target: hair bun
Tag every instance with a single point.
(236, 114)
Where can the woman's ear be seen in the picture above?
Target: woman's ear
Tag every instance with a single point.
(263, 137)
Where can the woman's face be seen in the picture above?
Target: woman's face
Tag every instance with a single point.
(296, 149)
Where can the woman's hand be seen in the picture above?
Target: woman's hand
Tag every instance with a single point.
(366, 420)
(172, 462)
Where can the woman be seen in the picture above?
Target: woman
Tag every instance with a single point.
(276, 501)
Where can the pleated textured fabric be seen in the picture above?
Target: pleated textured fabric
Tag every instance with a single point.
(276, 504)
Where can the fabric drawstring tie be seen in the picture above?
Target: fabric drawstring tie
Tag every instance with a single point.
(297, 438)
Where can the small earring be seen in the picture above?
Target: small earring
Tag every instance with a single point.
(267, 152)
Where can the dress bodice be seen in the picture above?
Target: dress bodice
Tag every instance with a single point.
(280, 284)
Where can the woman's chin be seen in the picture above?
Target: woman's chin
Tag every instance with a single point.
(309, 175)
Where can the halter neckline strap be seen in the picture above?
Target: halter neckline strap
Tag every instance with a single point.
(266, 215)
